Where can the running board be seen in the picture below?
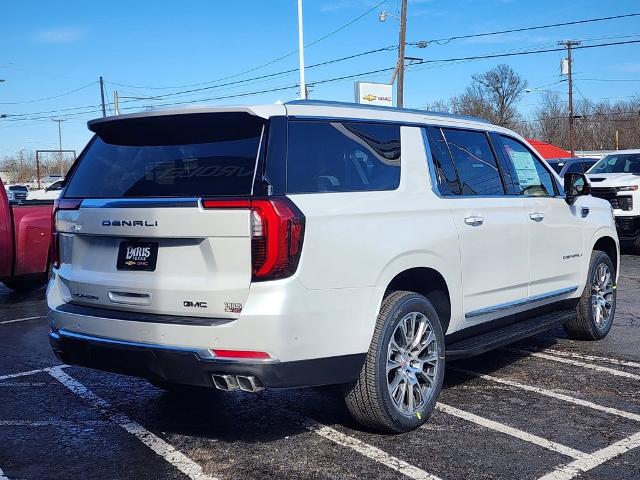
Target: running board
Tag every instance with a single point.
(505, 335)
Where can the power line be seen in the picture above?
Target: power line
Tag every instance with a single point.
(49, 98)
(271, 62)
(270, 75)
(345, 77)
(527, 52)
(444, 41)
(610, 79)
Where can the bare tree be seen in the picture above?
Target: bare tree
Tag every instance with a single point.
(492, 95)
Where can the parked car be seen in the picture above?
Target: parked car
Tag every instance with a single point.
(316, 243)
(25, 235)
(563, 166)
(51, 192)
(616, 178)
(16, 193)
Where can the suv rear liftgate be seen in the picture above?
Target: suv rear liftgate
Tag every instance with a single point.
(160, 223)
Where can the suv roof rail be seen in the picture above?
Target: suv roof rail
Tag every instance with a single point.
(331, 103)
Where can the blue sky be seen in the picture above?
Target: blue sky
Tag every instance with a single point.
(50, 48)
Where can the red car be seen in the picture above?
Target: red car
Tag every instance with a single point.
(25, 235)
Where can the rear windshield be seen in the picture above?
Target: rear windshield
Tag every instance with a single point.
(618, 163)
(170, 156)
(18, 188)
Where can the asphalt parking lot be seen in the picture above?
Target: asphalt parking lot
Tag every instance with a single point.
(546, 408)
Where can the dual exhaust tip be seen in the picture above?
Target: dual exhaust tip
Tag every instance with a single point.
(229, 383)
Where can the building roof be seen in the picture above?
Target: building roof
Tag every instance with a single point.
(548, 150)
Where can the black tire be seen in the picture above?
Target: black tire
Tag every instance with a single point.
(584, 325)
(26, 285)
(368, 398)
(636, 246)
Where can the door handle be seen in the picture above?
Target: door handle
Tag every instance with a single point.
(536, 217)
(474, 221)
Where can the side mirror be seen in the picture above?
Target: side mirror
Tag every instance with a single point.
(575, 185)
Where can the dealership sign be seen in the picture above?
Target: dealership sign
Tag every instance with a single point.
(374, 93)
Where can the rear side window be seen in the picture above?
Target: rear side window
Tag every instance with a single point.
(326, 156)
(170, 156)
(445, 172)
(474, 161)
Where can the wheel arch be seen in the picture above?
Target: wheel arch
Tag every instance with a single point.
(608, 245)
(429, 283)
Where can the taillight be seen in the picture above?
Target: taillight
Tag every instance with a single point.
(59, 204)
(277, 233)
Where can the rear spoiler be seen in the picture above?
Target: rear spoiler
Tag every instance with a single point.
(262, 111)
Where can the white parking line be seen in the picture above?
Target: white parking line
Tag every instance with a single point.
(594, 460)
(22, 384)
(50, 423)
(552, 394)
(592, 358)
(368, 451)
(22, 319)
(29, 372)
(597, 368)
(155, 443)
(514, 432)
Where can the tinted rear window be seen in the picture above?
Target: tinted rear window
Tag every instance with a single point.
(170, 156)
(325, 156)
(474, 161)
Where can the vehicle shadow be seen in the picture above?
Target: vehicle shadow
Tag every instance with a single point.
(276, 414)
(9, 297)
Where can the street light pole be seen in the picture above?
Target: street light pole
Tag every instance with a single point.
(401, 46)
(303, 86)
(59, 120)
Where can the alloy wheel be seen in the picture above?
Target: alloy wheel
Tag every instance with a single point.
(412, 363)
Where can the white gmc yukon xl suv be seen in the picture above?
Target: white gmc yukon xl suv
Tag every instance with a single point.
(616, 178)
(317, 243)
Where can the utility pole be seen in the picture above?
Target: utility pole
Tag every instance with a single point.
(116, 103)
(401, 45)
(303, 85)
(569, 44)
(104, 111)
(60, 120)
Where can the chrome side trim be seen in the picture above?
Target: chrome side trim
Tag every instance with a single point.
(497, 308)
(520, 303)
(555, 293)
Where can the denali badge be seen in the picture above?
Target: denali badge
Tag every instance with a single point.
(574, 255)
(129, 223)
(190, 304)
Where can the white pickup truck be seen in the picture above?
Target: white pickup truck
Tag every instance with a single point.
(616, 178)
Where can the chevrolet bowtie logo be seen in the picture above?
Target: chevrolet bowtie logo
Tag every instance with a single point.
(369, 98)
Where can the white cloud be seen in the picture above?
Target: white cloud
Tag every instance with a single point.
(629, 67)
(60, 35)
